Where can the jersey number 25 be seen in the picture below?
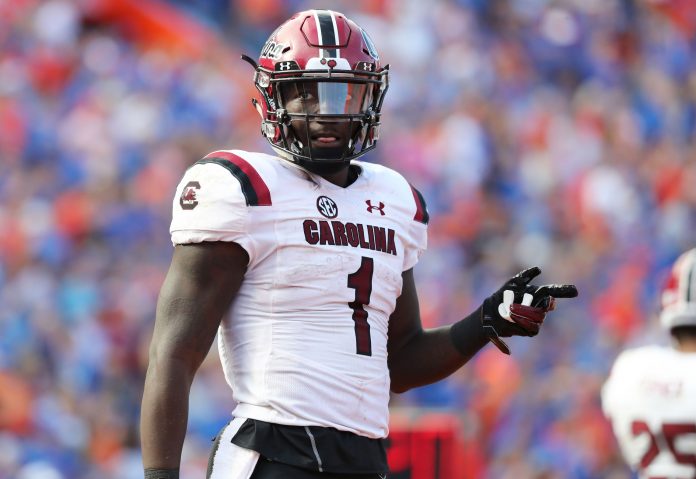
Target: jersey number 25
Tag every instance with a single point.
(670, 432)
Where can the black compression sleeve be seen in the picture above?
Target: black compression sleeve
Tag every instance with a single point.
(467, 335)
(161, 473)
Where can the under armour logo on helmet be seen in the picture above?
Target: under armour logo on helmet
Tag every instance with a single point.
(371, 207)
(283, 66)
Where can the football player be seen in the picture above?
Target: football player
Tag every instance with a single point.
(312, 252)
(650, 395)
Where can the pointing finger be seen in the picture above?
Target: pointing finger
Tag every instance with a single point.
(557, 291)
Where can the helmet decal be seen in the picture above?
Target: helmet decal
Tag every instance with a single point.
(371, 50)
(273, 50)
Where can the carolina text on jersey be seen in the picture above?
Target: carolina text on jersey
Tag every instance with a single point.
(357, 235)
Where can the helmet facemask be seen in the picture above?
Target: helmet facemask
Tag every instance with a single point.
(324, 121)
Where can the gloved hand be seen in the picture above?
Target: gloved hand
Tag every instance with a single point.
(519, 308)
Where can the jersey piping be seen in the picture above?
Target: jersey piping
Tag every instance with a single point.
(421, 215)
(255, 190)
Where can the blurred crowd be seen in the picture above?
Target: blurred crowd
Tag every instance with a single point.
(557, 133)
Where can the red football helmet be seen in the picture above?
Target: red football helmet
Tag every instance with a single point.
(321, 88)
(679, 296)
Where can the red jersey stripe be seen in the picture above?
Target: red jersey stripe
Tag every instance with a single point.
(259, 195)
(421, 215)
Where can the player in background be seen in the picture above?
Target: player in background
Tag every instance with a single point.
(650, 395)
(303, 262)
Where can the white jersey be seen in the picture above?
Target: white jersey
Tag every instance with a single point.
(650, 398)
(306, 340)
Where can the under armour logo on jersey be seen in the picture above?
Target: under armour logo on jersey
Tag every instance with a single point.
(371, 208)
(327, 207)
(188, 199)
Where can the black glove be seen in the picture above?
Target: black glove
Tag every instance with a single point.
(519, 308)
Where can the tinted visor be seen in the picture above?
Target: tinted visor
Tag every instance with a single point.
(325, 98)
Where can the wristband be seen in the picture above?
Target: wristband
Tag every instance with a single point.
(467, 335)
(152, 473)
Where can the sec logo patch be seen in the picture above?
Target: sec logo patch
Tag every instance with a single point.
(327, 207)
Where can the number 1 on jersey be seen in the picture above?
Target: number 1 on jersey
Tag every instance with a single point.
(361, 282)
